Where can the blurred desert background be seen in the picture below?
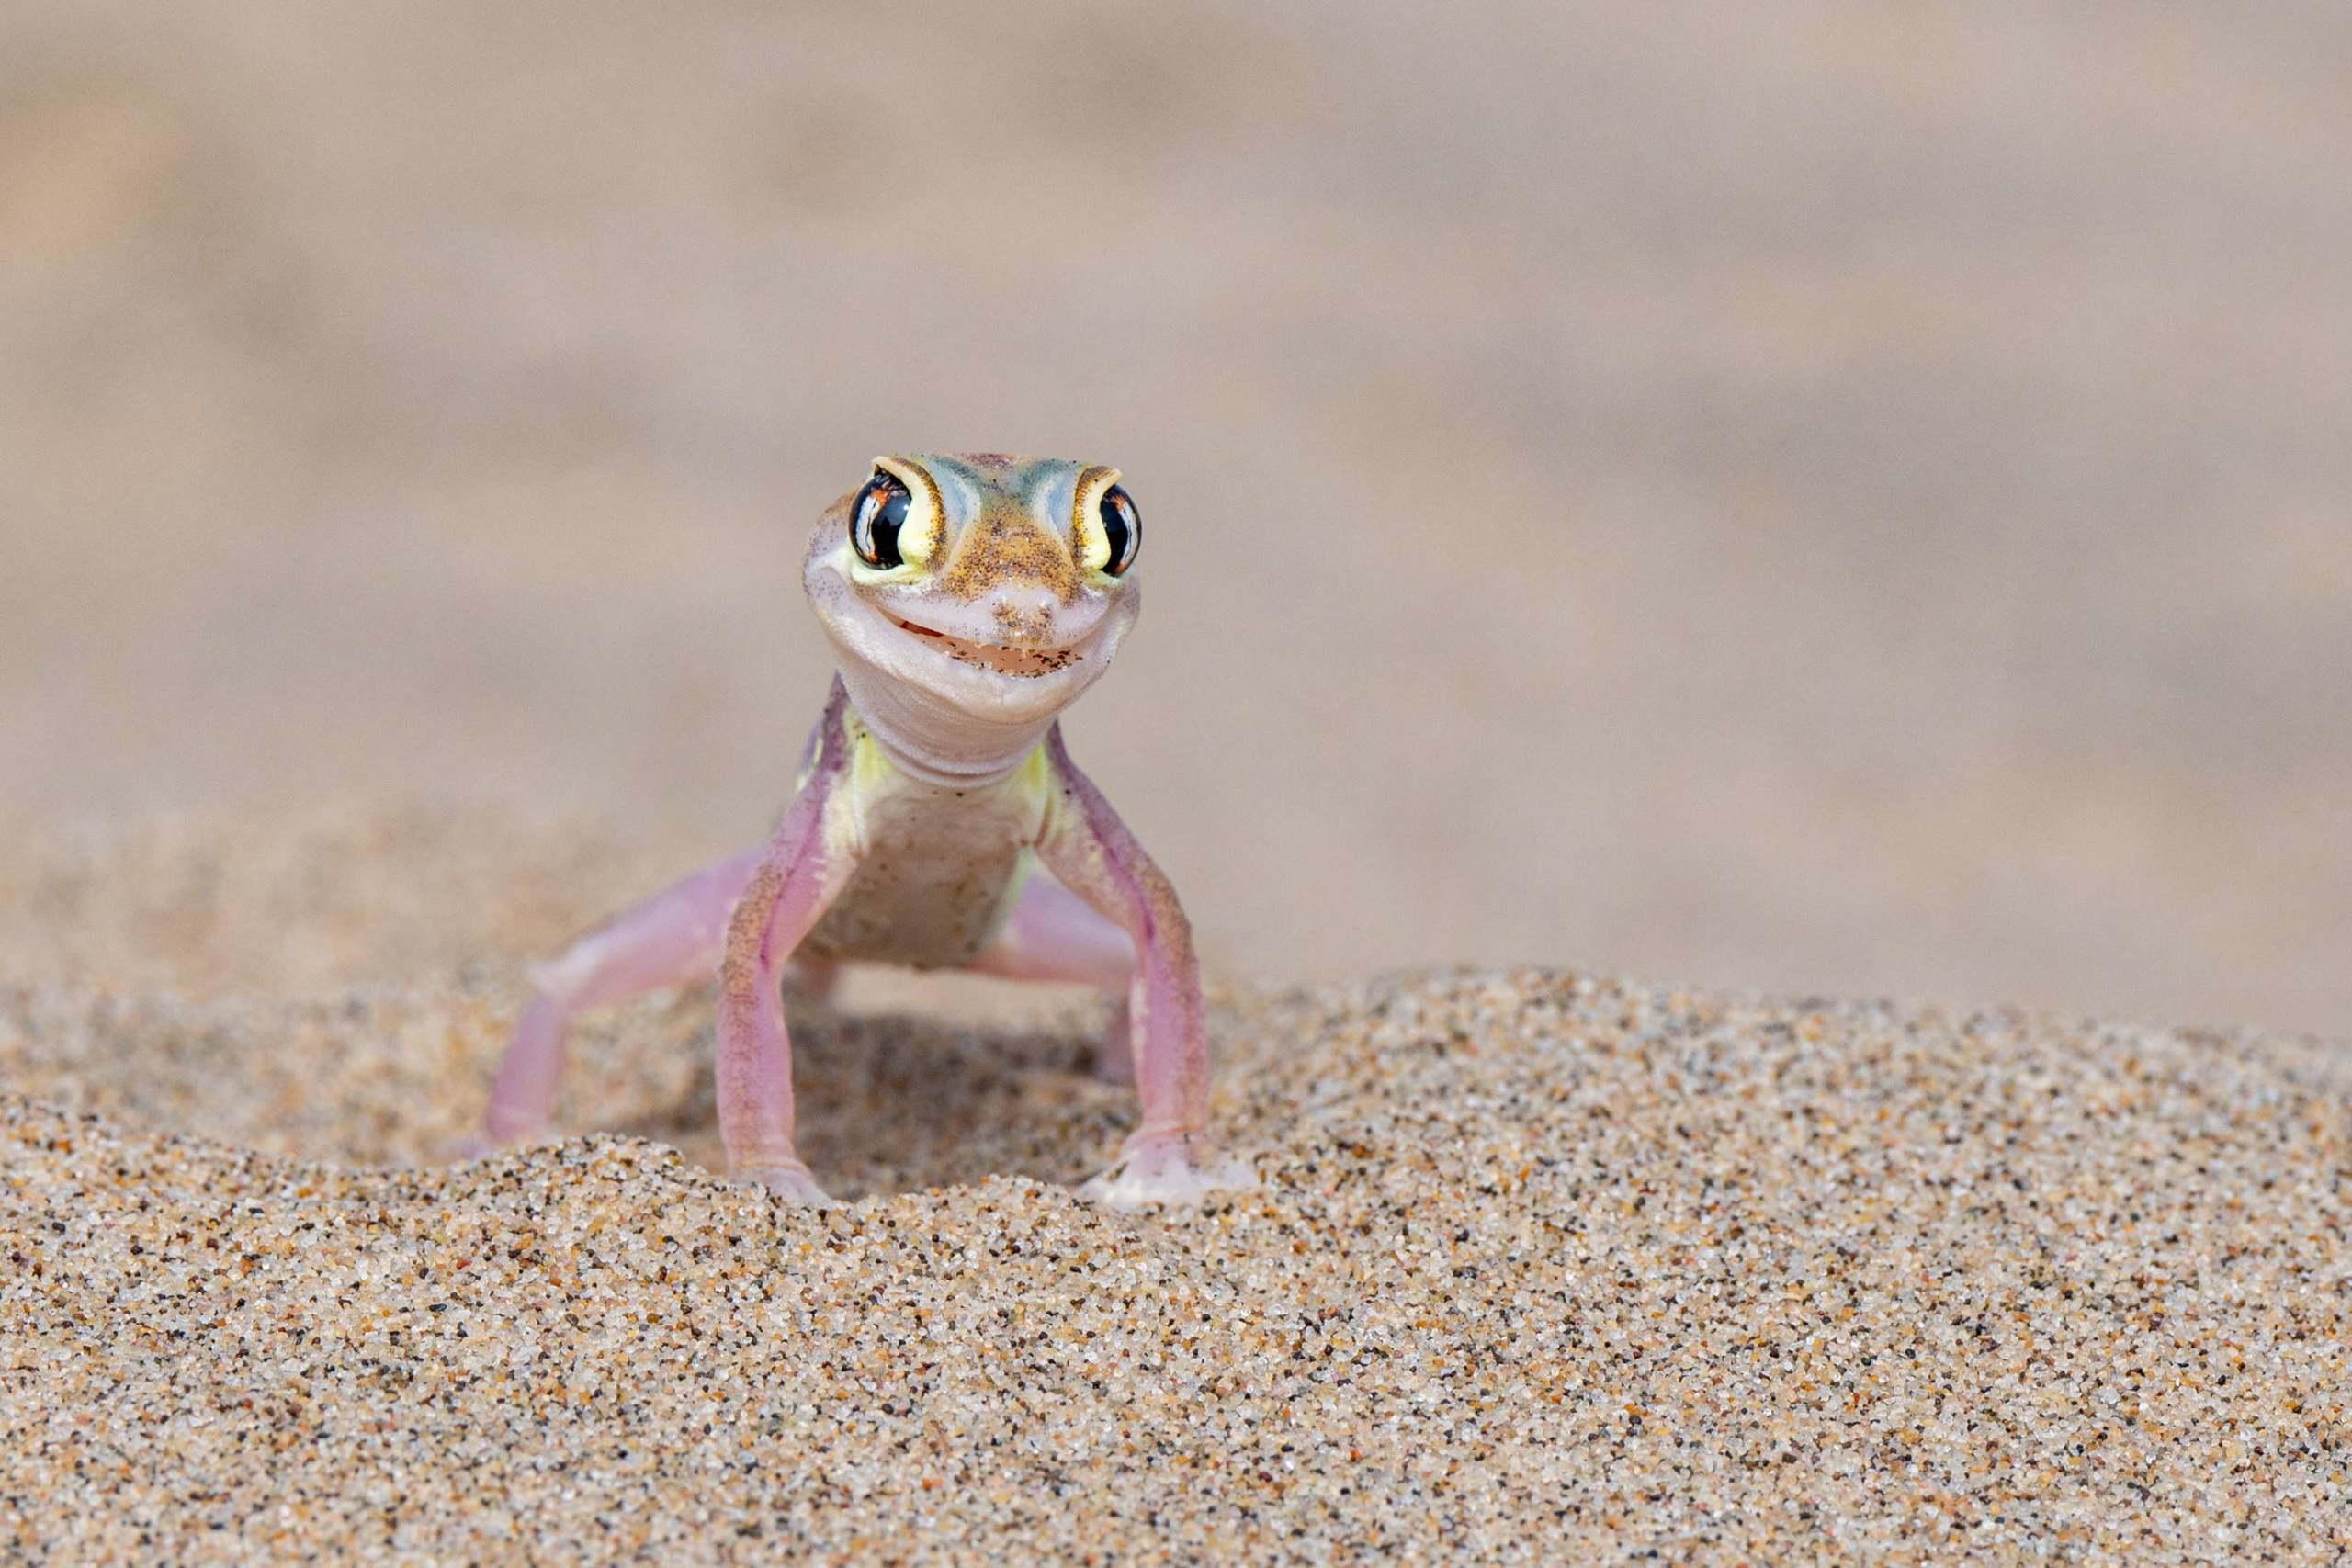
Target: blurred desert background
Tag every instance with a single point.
(1846, 498)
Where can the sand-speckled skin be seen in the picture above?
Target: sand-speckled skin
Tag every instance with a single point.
(934, 784)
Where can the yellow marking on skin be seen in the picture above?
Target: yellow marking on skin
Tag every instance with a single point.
(1089, 544)
(844, 835)
(869, 775)
(917, 550)
(1033, 781)
(871, 770)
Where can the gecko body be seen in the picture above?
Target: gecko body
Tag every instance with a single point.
(937, 820)
(938, 867)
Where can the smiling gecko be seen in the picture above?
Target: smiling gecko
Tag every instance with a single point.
(970, 599)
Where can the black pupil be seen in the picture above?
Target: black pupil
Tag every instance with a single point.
(881, 513)
(1118, 527)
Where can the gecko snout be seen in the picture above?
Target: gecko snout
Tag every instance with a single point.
(1024, 614)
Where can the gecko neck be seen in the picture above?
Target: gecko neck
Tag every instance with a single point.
(929, 741)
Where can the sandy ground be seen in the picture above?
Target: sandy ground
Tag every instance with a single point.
(1548, 1265)
(1836, 497)
(1816, 495)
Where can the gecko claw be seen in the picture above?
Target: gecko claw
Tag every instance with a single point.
(790, 1182)
(1176, 1172)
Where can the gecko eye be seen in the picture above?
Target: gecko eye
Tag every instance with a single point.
(875, 519)
(1123, 526)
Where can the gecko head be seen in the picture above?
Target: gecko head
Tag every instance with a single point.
(997, 586)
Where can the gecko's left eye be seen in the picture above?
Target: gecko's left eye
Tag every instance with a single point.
(1123, 527)
(875, 519)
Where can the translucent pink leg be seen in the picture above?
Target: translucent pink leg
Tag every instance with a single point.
(1053, 934)
(797, 875)
(671, 939)
(1171, 1158)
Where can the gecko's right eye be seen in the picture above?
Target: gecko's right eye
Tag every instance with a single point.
(875, 519)
(1122, 530)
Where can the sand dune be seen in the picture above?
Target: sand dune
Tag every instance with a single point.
(1546, 1265)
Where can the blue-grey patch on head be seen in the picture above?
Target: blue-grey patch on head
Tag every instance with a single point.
(963, 491)
(1050, 493)
(1043, 489)
(1010, 521)
(1027, 481)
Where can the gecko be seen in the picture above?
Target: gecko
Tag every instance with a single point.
(937, 822)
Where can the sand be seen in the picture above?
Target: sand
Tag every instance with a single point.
(1548, 1265)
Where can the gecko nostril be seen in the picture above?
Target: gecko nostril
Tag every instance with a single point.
(1024, 615)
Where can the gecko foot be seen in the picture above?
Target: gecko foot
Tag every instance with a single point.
(1176, 1171)
(790, 1182)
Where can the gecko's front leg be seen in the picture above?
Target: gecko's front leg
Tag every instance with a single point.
(810, 857)
(671, 939)
(1169, 1159)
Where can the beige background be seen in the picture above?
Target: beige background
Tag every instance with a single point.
(1840, 497)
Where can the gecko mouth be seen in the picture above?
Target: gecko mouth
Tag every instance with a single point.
(1025, 662)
